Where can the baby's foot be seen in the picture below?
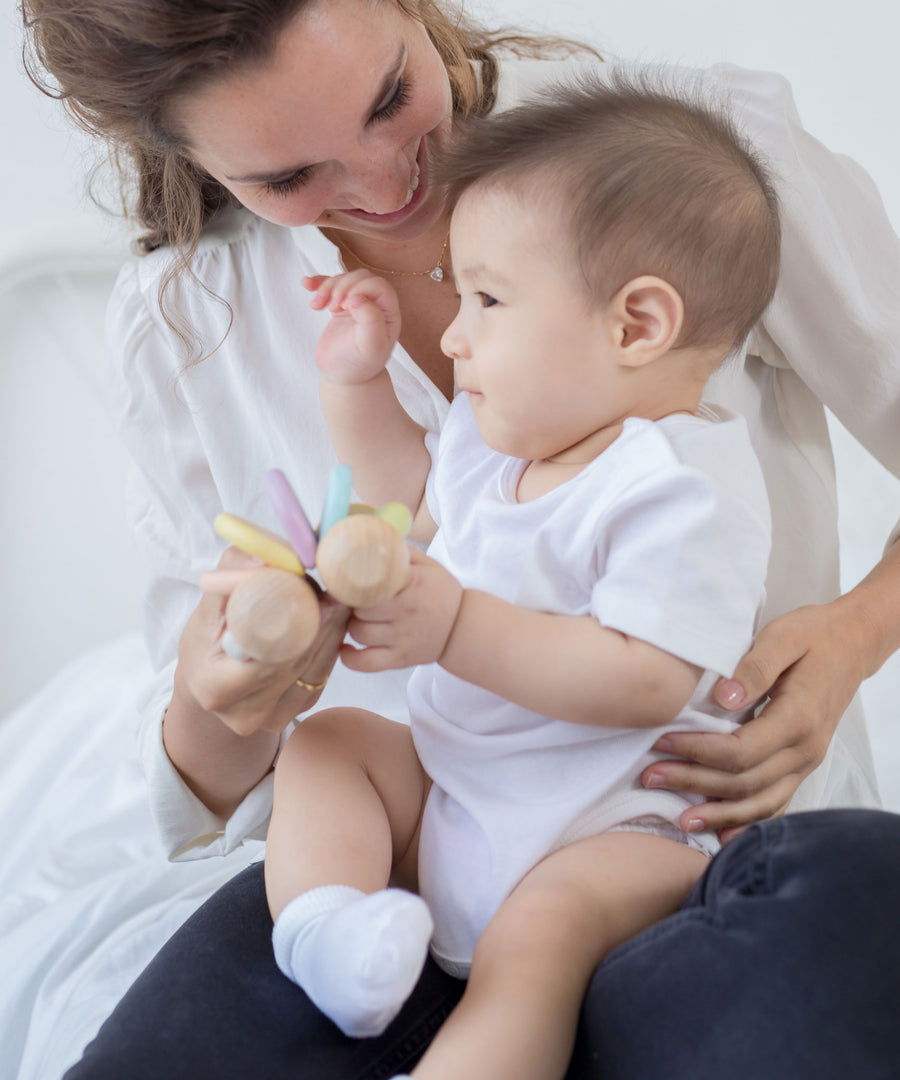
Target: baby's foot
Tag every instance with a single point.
(358, 957)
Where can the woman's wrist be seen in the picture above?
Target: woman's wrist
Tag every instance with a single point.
(219, 765)
(871, 611)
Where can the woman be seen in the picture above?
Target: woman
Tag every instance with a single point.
(281, 139)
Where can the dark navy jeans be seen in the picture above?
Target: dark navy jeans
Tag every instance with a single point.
(783, 964)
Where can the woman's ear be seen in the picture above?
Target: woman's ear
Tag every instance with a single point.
(648, 314)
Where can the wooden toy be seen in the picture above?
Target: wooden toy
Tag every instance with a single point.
(359, 553)
(360, 560)
(272, 615)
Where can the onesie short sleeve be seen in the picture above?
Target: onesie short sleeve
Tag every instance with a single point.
(685, 560)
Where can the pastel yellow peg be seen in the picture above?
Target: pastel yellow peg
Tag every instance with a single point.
(362, 560)
(272, 616)
(398, 515)
(258, 542)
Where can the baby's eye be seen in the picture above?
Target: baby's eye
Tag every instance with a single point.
(486, 299)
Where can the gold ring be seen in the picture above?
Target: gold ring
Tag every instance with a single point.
(312, 687)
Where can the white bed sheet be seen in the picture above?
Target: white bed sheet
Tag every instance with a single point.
(86, 894)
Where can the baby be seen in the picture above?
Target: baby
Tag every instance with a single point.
(599, 537)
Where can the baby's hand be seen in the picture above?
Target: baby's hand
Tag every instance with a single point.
(364, 328)
(413, 627)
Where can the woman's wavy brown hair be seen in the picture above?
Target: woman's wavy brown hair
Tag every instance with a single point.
(117, 65)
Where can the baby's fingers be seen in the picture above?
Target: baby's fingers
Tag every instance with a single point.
(373, 330)
(333, 293)
(329, 292)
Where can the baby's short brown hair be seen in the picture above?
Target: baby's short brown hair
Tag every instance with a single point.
(645, 181)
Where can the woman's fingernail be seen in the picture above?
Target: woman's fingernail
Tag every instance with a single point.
(730, 694)
(665, 744)
(655, 779)
(695, 825)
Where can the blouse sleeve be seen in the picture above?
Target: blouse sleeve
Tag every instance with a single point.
(169, 499)
(835, 317)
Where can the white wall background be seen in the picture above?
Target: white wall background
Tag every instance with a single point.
(76, 590)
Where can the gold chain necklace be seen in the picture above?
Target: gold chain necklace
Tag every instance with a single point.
(436, 273)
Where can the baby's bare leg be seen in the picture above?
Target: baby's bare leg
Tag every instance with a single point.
(533, 963)
(349, 792)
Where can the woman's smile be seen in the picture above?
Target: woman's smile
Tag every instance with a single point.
(335, 128)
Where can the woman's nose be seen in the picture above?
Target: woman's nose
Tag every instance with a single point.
(382, 184)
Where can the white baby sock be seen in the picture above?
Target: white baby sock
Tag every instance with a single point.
(357, 956)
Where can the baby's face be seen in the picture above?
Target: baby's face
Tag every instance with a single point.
(535, 359)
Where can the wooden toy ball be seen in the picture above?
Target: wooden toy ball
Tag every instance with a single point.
(362, 560)
(271, 616)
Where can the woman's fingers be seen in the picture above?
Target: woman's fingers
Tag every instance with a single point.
(248, 695)
(772, 753)
(719, 816)
(777, 647)
(224, 582)
(318, 661)
(714, 783)
(806, 665)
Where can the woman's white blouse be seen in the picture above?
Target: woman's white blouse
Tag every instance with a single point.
(202, 436)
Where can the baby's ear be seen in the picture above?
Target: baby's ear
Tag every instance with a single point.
(648, 314)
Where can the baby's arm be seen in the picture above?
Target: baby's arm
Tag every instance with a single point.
(369, 428)
(565, 666)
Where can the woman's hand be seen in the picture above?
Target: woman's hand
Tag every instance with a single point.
(809, 663)
(246, 695)
(223, 726)
(364, 328)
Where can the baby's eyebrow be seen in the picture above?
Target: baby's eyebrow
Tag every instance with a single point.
(480, 273)
(274, 176)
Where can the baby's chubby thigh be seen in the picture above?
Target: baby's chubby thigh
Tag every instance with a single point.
(532, 964)
(582, 901)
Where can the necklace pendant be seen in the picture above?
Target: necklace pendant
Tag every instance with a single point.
(437, 274)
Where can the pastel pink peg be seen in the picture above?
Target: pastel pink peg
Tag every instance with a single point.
(292, 517)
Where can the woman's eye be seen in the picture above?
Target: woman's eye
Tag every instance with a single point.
(396, 101)
(289, 184)
(392, 106)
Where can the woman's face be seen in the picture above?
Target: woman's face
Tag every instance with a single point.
(336, 128)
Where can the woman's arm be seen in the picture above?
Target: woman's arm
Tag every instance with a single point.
(835, 320)
(223, 726)
(187, 433)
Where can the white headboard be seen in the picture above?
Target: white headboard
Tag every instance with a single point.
(69, 577)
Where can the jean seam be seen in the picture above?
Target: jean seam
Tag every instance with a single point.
(413, 1043)
(673, 925)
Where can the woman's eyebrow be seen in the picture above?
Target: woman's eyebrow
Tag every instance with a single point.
(276, 175)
